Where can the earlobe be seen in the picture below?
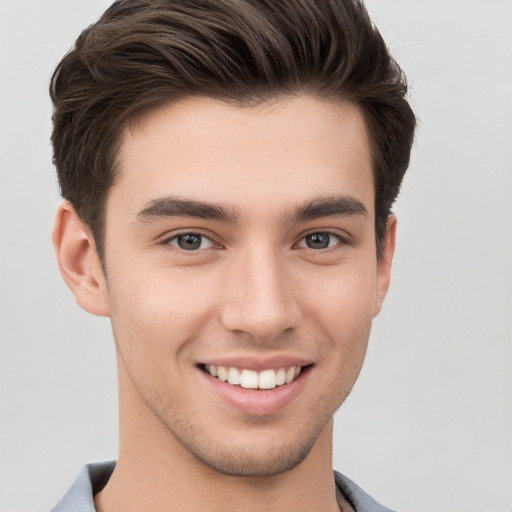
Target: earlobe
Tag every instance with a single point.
(384, 264)
(78, 261)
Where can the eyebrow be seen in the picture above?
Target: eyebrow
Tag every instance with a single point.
(332, 206)
(172, 206)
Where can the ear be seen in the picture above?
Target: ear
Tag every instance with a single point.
(79, 262)
(384, 264)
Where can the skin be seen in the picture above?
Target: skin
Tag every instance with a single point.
(253, 290)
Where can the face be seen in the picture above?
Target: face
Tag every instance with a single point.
(242, 275)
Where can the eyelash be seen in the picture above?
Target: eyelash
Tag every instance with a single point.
(340, 239)
(168, 241)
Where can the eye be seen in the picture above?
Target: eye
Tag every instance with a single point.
(190, 241)
(320, 240)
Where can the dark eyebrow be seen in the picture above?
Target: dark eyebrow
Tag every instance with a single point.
(345, 206)
(172, 206)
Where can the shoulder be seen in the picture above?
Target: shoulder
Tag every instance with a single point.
(360, 500)
(91, 479)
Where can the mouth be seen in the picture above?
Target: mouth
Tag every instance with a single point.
(255, 387)
(251, 379)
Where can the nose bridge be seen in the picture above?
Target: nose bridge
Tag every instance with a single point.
(260, 300)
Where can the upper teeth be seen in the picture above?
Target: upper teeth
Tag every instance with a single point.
(250, 379)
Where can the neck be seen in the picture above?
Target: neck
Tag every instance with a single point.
(155, 472)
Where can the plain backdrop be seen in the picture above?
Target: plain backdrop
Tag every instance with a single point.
(428, 427)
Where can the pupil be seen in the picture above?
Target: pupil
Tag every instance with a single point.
(189, 242)
(318, 240)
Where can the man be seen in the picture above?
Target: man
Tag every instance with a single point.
(228, 168)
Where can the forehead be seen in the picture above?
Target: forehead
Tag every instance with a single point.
(278, 153)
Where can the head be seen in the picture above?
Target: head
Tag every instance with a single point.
(232, 164)
(143, 54)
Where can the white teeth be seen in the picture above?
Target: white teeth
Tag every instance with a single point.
(250, 379)
(233, 376)
(267, 379)
(222, 373)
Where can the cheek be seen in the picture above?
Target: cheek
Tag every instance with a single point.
(344, 297)
(161, 308)
(341, 309)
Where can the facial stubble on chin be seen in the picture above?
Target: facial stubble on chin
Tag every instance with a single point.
(242, 461)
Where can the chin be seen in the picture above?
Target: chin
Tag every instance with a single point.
(245, 462)
(260, 451)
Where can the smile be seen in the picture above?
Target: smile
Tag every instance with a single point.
(250, 379)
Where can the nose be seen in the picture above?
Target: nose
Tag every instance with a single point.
(259, 299)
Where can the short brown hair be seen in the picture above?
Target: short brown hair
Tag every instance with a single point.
(142, 53)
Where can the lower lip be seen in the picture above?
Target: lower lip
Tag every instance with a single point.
(258, 402)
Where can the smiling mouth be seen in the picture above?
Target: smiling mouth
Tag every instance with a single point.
(250, 379)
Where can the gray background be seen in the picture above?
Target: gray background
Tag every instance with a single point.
(429, 424)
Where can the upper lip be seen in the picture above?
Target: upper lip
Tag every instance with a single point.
(258, 363)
